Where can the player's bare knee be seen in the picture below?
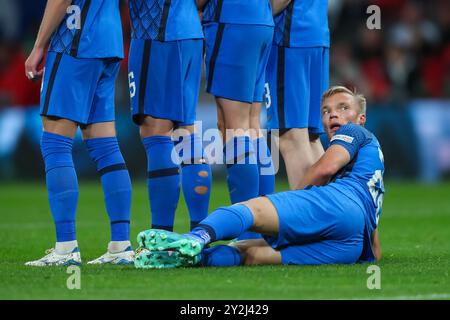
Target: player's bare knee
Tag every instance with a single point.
(155, 127)
(256, 211)
(293, 137)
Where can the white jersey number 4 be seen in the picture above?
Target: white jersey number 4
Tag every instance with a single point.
(376, 187)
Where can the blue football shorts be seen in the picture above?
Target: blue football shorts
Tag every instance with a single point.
(236, 60)
(296, 78)
(319, 225)
(81, 90)
(164, 79)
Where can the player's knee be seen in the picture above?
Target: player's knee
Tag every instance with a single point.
(257, 212)
(293, 137)
(155, 127)
(154, 131)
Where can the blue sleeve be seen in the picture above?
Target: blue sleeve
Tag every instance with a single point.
(352, 137)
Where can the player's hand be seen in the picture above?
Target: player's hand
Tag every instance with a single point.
(32, 64)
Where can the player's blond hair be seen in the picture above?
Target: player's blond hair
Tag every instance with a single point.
(359, 98)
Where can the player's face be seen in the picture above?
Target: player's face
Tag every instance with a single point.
(338, 110)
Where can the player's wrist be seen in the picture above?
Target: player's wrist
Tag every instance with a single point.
(39, 46)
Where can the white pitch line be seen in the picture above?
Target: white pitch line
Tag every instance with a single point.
(416, 297)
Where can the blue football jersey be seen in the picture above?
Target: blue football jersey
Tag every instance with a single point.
(362, 178)
(165, 20)
(90, 29)
(304, 23)
(255, 12)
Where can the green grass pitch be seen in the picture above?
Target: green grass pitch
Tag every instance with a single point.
(414, 232)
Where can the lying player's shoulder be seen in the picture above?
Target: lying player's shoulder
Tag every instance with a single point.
(351, 132)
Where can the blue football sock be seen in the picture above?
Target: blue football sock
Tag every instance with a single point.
(265, 167)
(116, 184)
(242, 169)
(163, 181)
(221, 256)
(224, 224)
(62, 184)
(266, 177)
(195, 177)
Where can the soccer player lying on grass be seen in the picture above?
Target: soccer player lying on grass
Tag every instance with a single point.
(331, 219)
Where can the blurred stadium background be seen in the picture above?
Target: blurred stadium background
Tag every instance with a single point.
(404, 70)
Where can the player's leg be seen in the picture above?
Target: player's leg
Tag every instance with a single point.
(257, 252)
(296, 151)
(288, 82)
(258, 215)
(196, 175)
(293, 99)
(264, 158)
(156, 87)
(163, 171)
(239, 154)
(196, 178)
(266, 177)
(233, 99)
(287, 219)
(322, 252)
(263, 155)
(104, 150)
(64, 96)
(315, 226)
(266, 172)
(319, 84)
(62, 189)
(99, 135)
(245, 252)
(234, 53)
(225, 223)
(317, 149)
(221, 123)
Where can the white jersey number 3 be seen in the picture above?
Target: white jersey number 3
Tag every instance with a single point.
(267, 96)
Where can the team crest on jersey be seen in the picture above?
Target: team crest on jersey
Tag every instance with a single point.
(342, 137)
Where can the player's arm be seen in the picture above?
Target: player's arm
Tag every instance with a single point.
(376, 245)
(54, 14)
(279, 5)
(201, 4)
(334, 159)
